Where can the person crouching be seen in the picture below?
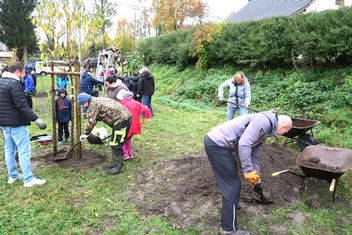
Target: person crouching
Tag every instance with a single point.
(115, 115)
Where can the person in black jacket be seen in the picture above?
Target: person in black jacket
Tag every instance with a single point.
(15, 116)
(146, 88)
(133, 86)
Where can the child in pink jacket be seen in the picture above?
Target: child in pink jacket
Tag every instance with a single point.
(136, 109)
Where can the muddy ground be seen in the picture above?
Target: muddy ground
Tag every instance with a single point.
(185, 191)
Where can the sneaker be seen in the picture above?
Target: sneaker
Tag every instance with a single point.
(34, 182)
(237, 232)
(126, 157)
(68, 139)
(60, 142)
(12, 180)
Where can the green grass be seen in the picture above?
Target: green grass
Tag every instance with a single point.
(88, 201)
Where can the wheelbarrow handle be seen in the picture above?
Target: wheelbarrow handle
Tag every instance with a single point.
(287, 171)
(332, 185)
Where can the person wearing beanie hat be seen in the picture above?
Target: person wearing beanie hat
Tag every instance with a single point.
(115, 115)
(136, 109)
(83, 98)
(63, 108)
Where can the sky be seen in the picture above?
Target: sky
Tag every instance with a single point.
(218, 10)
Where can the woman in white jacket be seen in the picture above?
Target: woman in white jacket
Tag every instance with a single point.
(240, 93)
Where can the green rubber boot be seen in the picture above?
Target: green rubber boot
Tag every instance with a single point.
(118, 164)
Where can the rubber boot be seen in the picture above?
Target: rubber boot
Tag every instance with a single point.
(118, 164)
(109, 166)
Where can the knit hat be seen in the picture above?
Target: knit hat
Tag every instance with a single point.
(83, 98)
(144, 69)
(61, 90)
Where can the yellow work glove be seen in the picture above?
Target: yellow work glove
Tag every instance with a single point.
(252, 177)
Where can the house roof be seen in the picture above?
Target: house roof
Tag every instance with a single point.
(260, 9)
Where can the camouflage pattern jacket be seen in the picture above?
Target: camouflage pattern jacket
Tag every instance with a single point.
(107, 110)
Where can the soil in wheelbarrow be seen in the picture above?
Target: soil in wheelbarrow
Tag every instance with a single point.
(185, 189)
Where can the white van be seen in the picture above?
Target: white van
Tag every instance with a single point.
(42, 68)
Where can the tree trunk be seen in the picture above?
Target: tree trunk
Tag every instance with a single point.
(25, 55)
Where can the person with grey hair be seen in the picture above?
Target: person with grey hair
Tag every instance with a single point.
(247, 134)
(136, 109)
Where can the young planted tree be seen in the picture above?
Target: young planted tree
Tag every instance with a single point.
(69, 30)
(15, 19)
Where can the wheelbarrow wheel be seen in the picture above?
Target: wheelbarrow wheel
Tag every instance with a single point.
(306, 140)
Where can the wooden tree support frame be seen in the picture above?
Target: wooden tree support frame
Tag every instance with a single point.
(76, 109)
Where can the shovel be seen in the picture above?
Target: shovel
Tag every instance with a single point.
(246, 107)
(258, 188)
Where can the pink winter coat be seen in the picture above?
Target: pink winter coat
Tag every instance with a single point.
(136, 109)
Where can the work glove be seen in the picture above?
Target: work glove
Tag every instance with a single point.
(40, 123)
(83, 137)
(252, 177)
(221, 99)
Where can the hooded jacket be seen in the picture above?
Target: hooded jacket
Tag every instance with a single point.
(63, 107)
(146, 84)
(136, 109)
(14, 106)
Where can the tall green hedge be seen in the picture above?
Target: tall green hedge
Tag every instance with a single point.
(313, 39)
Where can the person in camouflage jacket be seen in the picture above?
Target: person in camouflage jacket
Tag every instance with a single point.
(115, 115)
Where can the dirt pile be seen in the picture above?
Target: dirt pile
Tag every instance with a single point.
(185, 189)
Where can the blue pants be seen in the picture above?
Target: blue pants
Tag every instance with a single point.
(224, 167)
(231, 110)
(147, 100)
(18, 137)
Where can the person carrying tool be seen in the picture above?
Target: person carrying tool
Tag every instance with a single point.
(115, 115)
(240, 93)
(247, 133)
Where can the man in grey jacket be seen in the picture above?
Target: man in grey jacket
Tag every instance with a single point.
(247, 133)
(15, 116)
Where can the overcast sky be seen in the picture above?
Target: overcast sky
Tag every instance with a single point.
(218, 9)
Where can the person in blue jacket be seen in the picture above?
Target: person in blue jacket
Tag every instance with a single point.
(88, 83)
(63, 107)
(87, 86)
(29, 88)
(246, 133)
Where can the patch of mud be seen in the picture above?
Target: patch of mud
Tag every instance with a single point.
(87, 160)
(185, 189)
(40, 95)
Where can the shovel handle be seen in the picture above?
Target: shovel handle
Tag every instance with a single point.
(246, 107)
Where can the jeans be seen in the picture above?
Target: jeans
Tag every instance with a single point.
(18, 137)
(231, 110)
(147, 100)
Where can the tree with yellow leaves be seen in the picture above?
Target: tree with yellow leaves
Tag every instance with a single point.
(170, 15)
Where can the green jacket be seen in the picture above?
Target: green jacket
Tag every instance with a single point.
(107, 110)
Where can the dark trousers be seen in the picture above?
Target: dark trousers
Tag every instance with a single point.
(30, 101)
(63, 126)
(225, 170)
(117, 140)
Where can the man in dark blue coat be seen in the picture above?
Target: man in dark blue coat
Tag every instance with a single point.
(88, 83)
